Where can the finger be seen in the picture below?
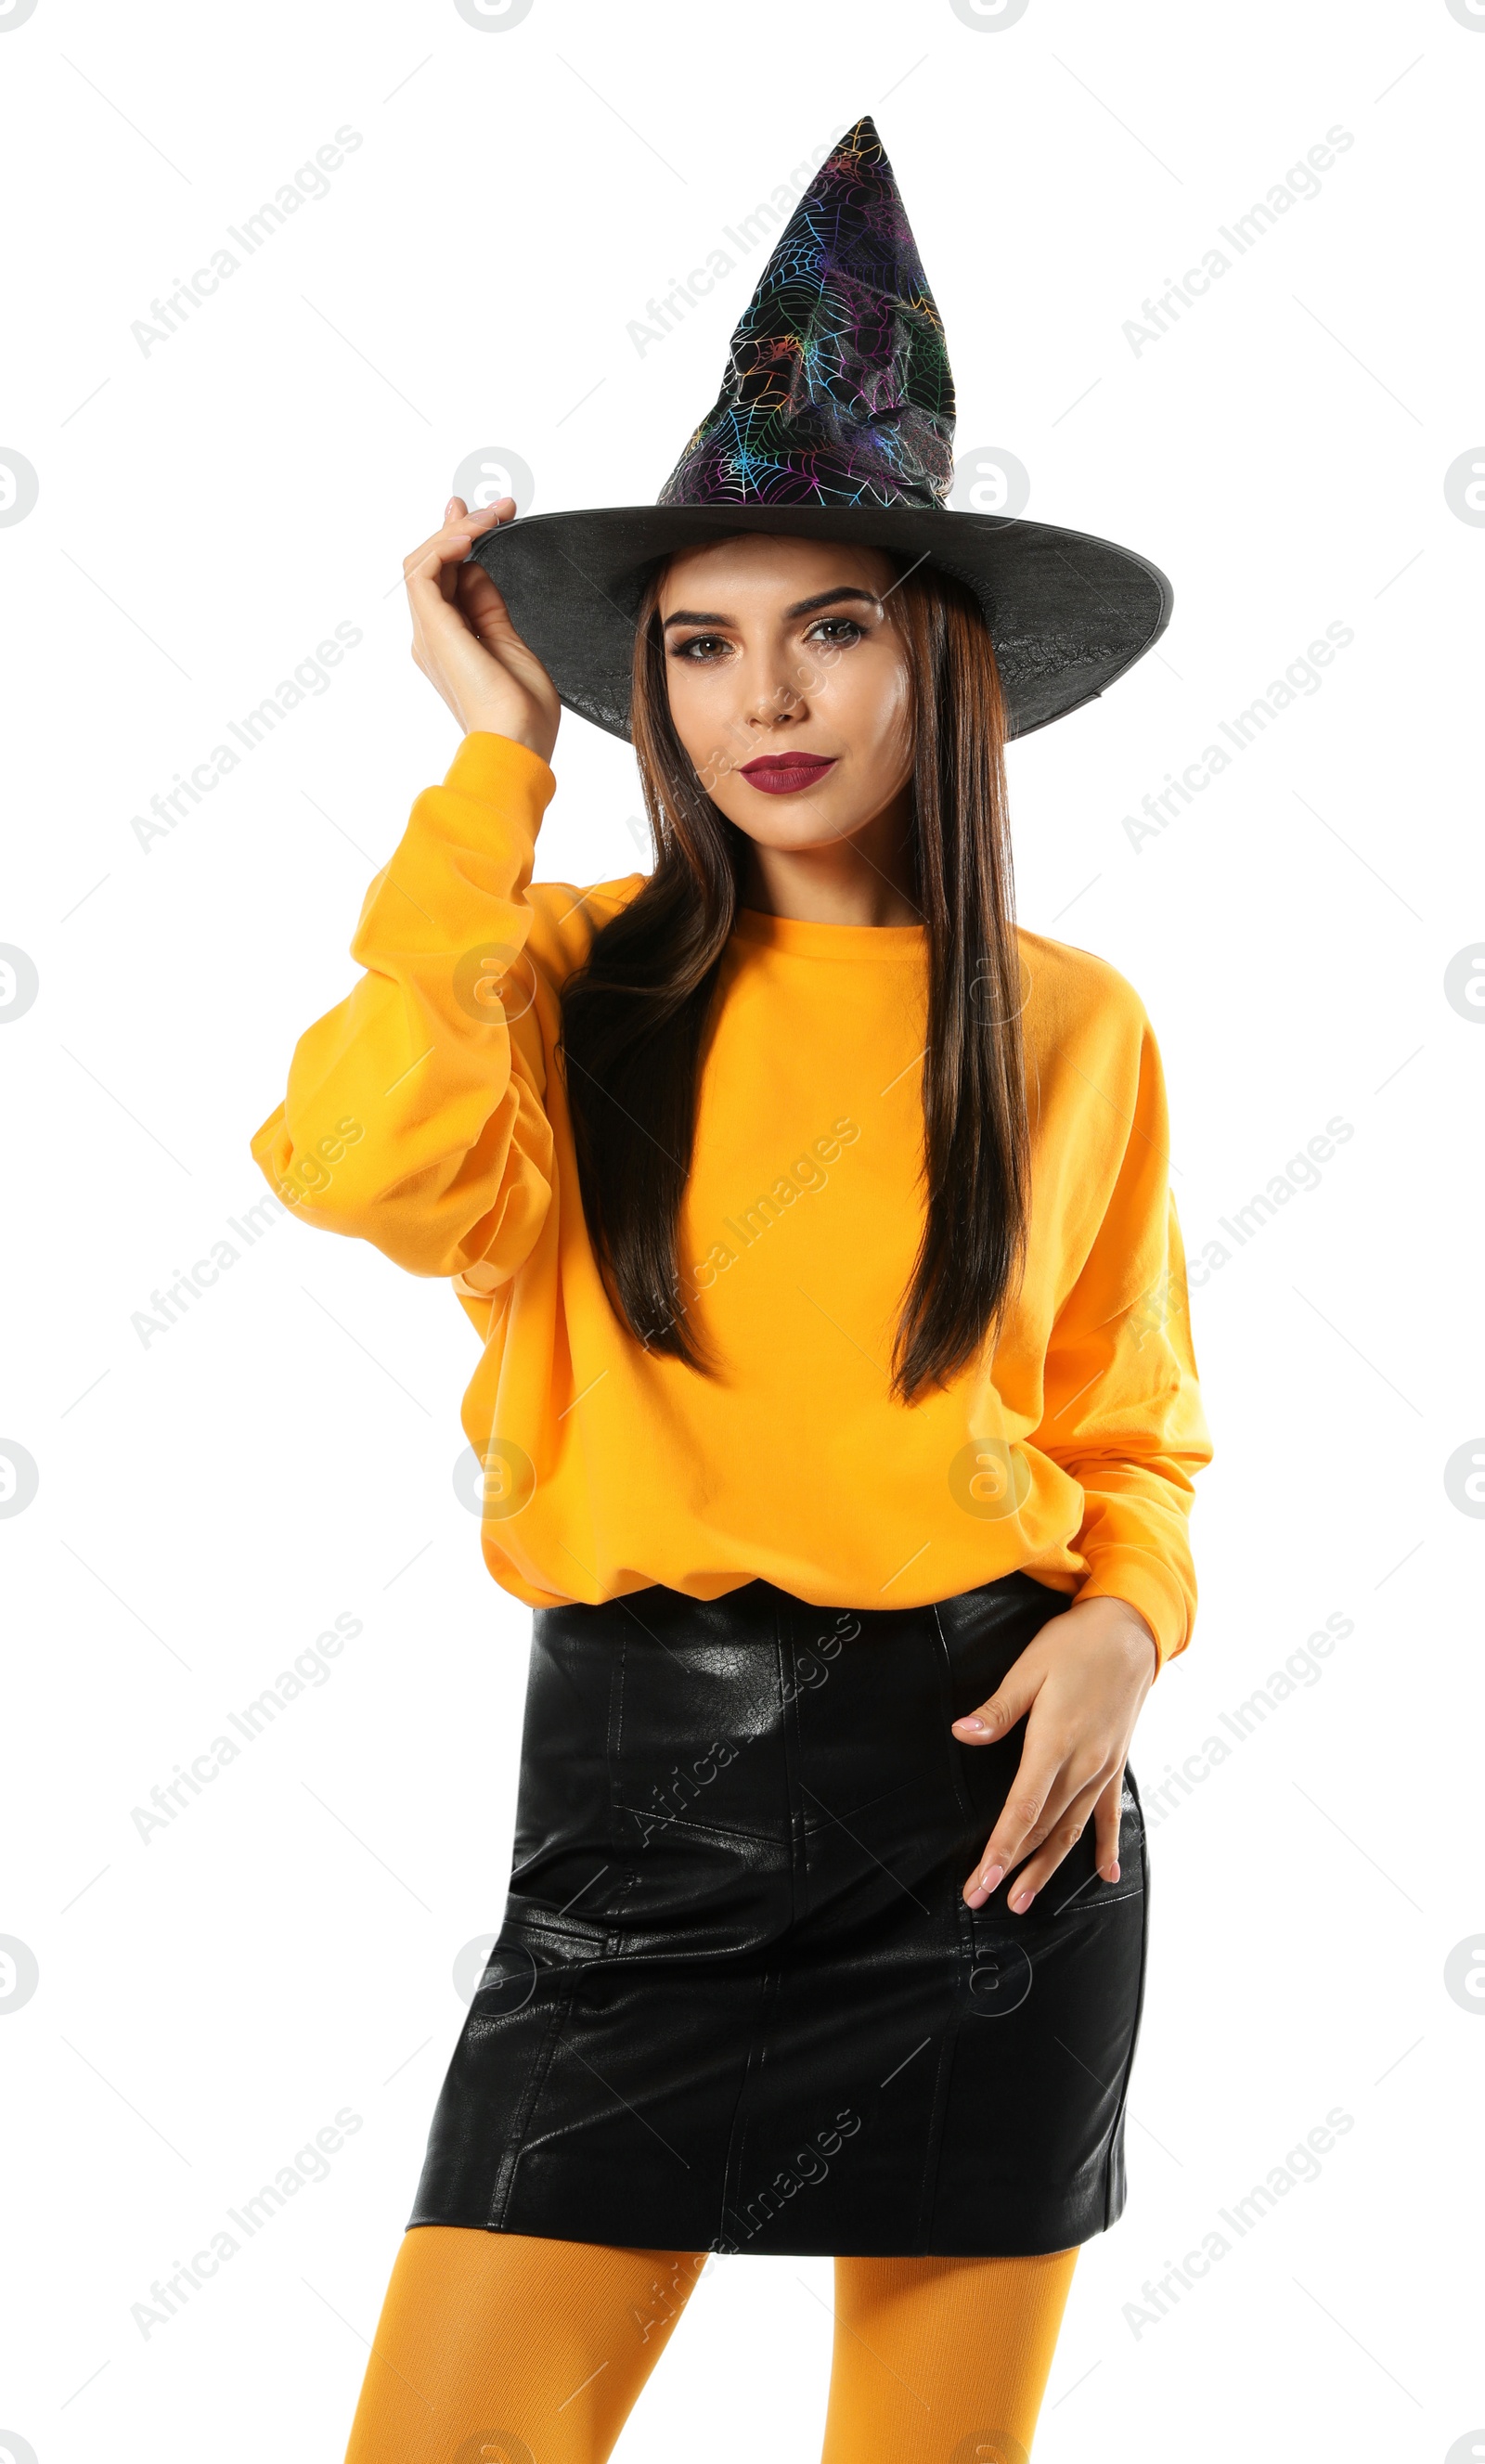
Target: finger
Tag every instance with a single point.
(1066, 1831)
(482, 607)
(438, 575)
(993, 1718)
(1107, 1817)
(459, 523)
(1033, 1790)
(457, 515)
(458, 526)
(460, 531)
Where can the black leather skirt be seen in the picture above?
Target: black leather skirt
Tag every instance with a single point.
(737, 2001)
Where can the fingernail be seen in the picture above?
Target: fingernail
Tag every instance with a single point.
(449, 507)
(991, 1877)
(1113, 1869)
(971, 1720)
(1022, 1902)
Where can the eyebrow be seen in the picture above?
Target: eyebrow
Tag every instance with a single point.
(801, 607)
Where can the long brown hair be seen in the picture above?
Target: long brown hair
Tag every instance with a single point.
(636, 1016)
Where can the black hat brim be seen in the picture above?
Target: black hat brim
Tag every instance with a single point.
(1068, 614)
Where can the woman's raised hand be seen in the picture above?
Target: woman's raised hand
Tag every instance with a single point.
(463, 638)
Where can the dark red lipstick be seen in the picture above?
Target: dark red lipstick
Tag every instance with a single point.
(785, 774)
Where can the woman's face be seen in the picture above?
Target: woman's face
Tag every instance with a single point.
(790, 685)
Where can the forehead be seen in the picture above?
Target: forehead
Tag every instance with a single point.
(759, 568)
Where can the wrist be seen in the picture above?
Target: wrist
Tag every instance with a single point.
(1132, 1622)
(537, 740)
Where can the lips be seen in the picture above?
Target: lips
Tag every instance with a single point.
(785, 774)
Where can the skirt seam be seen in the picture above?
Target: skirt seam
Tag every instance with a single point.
(793, 1761)
(614, 1746)
(737, 2136)
(963, 1944)
(1116, 2135)
(510, 2162)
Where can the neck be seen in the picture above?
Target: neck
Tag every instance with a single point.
(864, 879)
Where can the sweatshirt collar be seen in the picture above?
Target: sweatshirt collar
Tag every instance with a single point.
(851, 942)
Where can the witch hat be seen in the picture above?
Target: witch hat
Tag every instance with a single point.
(835, 420)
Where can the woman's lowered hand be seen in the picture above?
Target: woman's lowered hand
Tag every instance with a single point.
(1081, 1682)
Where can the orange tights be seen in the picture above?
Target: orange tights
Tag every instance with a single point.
(497, 2348)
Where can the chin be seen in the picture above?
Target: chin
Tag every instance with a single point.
(793, 822)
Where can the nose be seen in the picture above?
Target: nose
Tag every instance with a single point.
(776, 706)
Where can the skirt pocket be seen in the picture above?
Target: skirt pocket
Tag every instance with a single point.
(699, 1815)
(1075, 1885)
(1005, 1956)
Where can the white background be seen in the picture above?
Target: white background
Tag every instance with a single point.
(208, 1502)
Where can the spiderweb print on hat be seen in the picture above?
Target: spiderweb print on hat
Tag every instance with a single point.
(838, 389)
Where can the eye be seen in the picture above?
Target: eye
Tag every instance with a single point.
(702, 649)
(841, 631)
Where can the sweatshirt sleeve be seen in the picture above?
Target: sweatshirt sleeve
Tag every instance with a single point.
(1122, 1409)
(413, 1115)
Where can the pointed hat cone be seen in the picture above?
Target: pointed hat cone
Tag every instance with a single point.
(837, 389)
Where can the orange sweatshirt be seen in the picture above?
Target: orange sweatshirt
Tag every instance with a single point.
(424, 1118)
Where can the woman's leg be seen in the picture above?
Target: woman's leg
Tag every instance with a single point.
(942, 2361)
(498, 2348)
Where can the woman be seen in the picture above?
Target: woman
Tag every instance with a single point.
(836, 1415)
